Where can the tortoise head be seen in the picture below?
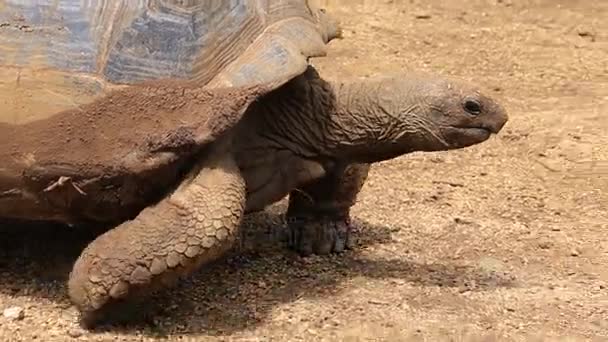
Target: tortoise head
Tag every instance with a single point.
(405, 113)
(458, 113)
(328, 25)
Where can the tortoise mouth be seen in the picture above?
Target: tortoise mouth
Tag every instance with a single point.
(459, 137)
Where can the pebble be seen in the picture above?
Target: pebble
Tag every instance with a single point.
(14, 313)
(422, 16)
(378, 302)
(74, 333)
(491, 265)
(544, 244)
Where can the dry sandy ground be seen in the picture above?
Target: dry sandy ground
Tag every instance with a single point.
(504, 241)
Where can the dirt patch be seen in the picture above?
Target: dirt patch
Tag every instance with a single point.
(109, 158)
(502, 241)
(95, 134)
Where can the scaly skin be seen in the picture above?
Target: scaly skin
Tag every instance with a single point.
(316, 140)
(194, 225)
(311, 139)
(318, 215)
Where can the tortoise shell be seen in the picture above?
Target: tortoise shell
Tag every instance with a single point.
(57, 55)
(104, 103)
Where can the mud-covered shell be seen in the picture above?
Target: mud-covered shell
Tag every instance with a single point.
(103, 103)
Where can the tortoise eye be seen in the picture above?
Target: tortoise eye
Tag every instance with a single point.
(472, 106)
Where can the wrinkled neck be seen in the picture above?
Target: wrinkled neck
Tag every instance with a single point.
(339, 121)
(364, 129)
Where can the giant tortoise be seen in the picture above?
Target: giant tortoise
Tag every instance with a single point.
(168, 120)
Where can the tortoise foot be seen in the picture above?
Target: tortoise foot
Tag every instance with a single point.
(108, 289)
(320, 236)
(192, 227)
(124, 312)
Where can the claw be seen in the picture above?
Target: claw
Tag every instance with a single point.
(319, 236)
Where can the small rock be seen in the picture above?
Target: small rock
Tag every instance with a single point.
(463, 289)
(422, 16)
(491, 265)
(377, 302)
(575, 252)
(436, 159)
(602, 323)
(74, 333)
(462, 221)
(544, 244)
(586, 34)
(14, 313)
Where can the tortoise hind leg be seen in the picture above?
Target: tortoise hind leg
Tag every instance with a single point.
(318, 215)
(194, 225)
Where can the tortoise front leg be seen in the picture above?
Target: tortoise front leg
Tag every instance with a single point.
(194, 225)
(318, 215)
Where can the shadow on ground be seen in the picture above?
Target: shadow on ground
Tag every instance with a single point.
(233, 294)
